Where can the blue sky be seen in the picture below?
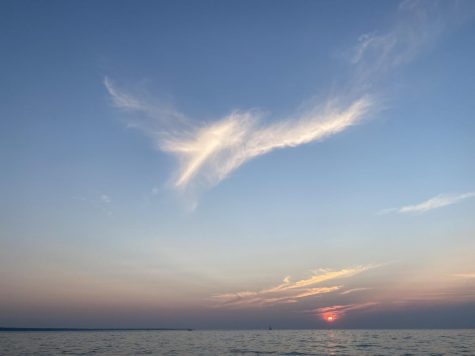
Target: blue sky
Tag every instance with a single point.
(174, 162)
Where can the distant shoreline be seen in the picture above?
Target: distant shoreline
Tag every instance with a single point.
(93, 329)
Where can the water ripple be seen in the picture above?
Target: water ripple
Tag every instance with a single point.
(209, 343)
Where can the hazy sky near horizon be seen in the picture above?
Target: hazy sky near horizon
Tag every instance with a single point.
(234, 164)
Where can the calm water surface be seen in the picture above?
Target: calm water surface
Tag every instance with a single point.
(277, 342)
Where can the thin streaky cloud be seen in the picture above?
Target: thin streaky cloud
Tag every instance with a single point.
(249, 299)
(288, 291)
(354, 290)
(124, 101)
(157, 120)
(417, 27)
(439, 201)
(337, 311)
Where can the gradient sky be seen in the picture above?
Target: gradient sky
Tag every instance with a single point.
(235, 164)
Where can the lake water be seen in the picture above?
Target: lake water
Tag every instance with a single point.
(276, 342)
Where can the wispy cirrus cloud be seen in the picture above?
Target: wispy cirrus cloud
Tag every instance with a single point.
(354, 290)
(337, 311)
(159, 119)
(211, 151)
(436, 202)
(263, 299)
(417, 27)
(220, 148)
(288, 291)
(208, 152)
(125, 101)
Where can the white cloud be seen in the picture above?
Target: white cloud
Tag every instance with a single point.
(436, 202)
(215, 150)
(209, 152)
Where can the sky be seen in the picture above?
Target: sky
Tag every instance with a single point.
(237, 164)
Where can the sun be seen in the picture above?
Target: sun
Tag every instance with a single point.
(329, 317)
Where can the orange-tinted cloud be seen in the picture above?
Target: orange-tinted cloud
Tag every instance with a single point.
(288, 291)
